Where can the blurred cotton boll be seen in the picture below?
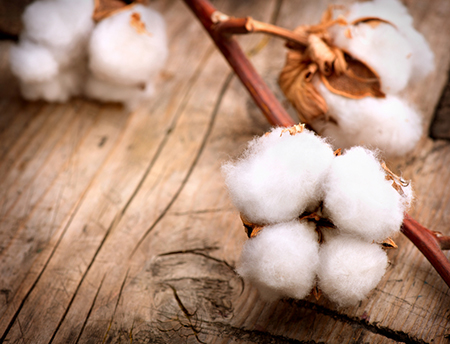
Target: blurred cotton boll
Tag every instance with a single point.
(63, 53)
(119, 54)
(383, 48)
(422, 57)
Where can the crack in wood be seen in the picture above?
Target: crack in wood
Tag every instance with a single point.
(113, 224)
(90, 310)
(374, 327)
(115, 307)
(186, 313)
(189, 86)
(194, 163)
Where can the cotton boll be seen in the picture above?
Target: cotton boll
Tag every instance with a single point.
(119, 54)
(358, 198)
(278, 177)
(383, 48)
(32, 63)
(63, 26)
(60, 88)
(131, 96)
(422, 57)
(349, 269)
(388, 124)
(282, 260)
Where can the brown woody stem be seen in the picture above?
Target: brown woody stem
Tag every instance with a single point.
(260, 92)
(249, 25)
(428, 242)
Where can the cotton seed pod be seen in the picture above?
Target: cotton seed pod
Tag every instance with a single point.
(382, 47)
(349, 269)
(394, 11)
(279, 176)
(282, 260)
(359, 199)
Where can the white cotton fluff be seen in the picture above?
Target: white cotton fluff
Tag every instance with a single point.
(67, 83)
(358, 198)
(349, 269)
(63, 26)
(132, 96)
(119, 54)
(278, 178)
(32, 62)
(422, 57)
(282, 260)
(383, 48)
(389, 124)
(51, 59)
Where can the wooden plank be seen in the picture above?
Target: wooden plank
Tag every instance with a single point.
(143, 240)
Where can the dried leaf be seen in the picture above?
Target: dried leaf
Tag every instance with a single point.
(106, 8)
(138, 24)
(388, 244)
(317, 293)
(251, 229)
(372, 21)
(295, 129)
(321, 53)
(398, 183)
(295, 82)
(357, 82)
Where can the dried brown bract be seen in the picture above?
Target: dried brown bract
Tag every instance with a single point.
(106, 8)
(339, 71)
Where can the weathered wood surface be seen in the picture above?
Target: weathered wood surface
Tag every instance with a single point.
(116, 227)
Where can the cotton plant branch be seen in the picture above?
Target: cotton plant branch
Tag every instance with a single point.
(221, 29)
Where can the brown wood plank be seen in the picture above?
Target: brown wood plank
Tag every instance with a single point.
(141, 239)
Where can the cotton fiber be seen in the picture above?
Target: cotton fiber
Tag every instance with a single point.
(279, 176)
(422, 57)
(320, 216)
(282, 260)
(358, 198)
(388, 124)
(349, 269)
(383, 48)
(63, 53)
(119, 54)
(379, 33)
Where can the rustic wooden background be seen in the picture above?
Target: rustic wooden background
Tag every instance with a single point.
(116, 227)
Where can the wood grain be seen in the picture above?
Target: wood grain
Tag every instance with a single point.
(116, 227)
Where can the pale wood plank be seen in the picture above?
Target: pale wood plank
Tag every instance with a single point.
(153, 228)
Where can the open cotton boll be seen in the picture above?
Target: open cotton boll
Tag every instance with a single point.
(61, 25)
(358, 198)
(278, 177)
(131, 96)
(282, 260)
(349, 269)
(388, 124)
(31, 62)
(383, 48)
(60, 88)
(119, 54)
(422, 57)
